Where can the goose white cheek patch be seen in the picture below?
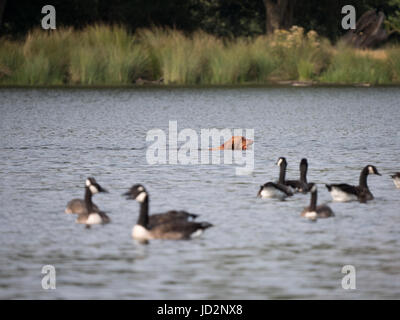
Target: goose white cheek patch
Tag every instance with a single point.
(93, 189)
(88, 182)
(370, 170)
(141, 197)
(279, 162)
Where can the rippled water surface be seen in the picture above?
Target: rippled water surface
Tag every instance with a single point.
(51, 140)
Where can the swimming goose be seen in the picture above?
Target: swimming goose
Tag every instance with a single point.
(276, 190)
(301, 185)
(78, 206)
(396, 179)
(313, 211)
(92, 215)
(344, 192)
(159, 218)
(173, 225)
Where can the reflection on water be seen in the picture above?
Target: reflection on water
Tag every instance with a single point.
(53, 139)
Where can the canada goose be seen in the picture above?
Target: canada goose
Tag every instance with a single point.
(396, 179)
(313, 211)
(300, 185)
(279, 189)
(344, 192)
(78, 206)
(89, 213)
(173, 225)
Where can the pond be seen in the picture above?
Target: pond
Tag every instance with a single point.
(52, 139)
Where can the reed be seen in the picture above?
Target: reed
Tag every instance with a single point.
(352, 66)
(11, 59)
(110, 55)
(107, 55)
(177, 58)
(394, 62)
(42, 59)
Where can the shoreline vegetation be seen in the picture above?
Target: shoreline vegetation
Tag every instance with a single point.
(101, 55)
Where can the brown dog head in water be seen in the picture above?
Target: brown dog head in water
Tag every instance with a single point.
(235, 143)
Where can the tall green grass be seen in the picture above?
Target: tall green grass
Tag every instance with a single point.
(205, 59)
(229, 64)
(394, 62)
(11, 59)
(177, 58)
(351, 66)
(42, 59)
(109, 55)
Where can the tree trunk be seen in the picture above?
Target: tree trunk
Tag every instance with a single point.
(2, 6)
(279, 14)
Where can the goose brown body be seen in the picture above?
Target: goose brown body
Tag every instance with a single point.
(172, 225)
(313, 211)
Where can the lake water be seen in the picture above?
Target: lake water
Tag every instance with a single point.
(51, 140)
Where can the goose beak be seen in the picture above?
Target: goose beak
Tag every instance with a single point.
(101, 189)
(377, 173)
(128, 195)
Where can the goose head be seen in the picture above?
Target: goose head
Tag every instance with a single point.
(281, 162)
(373, 170)
(93, 186)
(136, 192)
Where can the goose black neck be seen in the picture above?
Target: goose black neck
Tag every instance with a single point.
(88, 200)
(282, 173)
(313, 203)
(303, 173)
(363, 178)
(143, 219)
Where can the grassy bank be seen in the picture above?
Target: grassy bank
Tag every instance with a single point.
(104, 55)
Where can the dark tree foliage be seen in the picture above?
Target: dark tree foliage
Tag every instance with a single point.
(2, 6)
(21, 16)
(225, 18)
(229, 18)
